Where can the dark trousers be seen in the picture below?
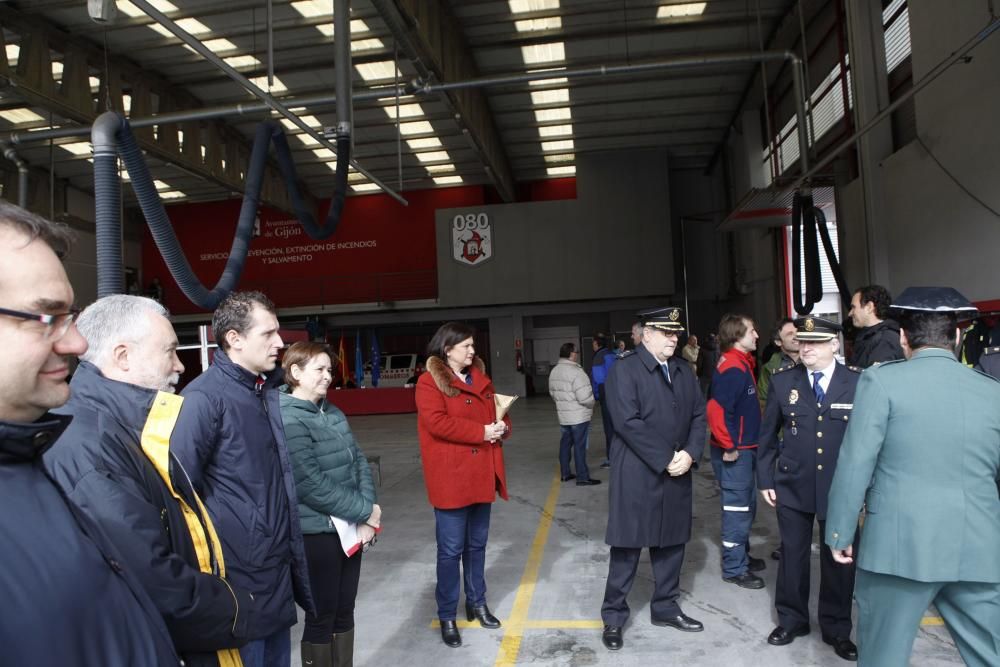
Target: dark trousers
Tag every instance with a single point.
(573, 441)
(836, 581)
(461, 536)
(739, 506)
(609, 429)
(666, 563)
(333, 578)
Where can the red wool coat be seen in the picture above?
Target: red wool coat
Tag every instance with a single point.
(460, 467)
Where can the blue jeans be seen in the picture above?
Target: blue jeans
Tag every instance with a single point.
(273, 651)
(574, 441)
(461, 535)
(737, 490)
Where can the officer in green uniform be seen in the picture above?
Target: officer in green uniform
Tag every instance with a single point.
(922, 454)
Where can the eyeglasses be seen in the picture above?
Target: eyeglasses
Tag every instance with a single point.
(366, 547)
(56, 325)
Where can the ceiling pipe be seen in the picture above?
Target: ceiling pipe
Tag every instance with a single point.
(266, 98)
(22, 172)
(419, 87)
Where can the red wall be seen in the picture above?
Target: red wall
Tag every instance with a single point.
(382, 251)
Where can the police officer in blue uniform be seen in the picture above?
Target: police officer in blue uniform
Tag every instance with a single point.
(659, 415)
(812, 404)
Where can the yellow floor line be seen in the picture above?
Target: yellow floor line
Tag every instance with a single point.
(932, 620)
(516, 623)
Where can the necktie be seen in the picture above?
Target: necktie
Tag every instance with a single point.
(817, 387)
(666, 372)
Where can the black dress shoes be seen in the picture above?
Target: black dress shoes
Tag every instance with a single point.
(681, 622)
(782, 637)
(449, 634)
(612, 637)
(756, 564)
(482, 614)
(843, 647)
(746, 580)
(587, 482)
(568, 477)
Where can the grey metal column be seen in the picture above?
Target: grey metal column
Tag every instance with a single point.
(869, 79)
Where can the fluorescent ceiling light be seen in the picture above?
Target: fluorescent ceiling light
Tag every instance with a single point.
(522, 6)
(567, 170)
(439, 168)
(563, 157)
(384, 69)
(324, 153)
(311, 121)
(550, 115)
(220, 44)
(543, 53)
(405, 111)
(433, 156)
(365, 187)
(684, 9)
(95, 84)
(421, 144)
(261, 82)
(564, 145)
(547, 82)
(416, 127)
(57, 70)
(241, 62)
(550, 96)
(127, 103)
(353, 176)
(78, 148)
(13, 52)
(20, 116)
(172, 194)
(532, 25)
(554, 130)
(366, 45)
(313, 8)
(129, 9)
(190, 26)
(447, 180)
(306, 139)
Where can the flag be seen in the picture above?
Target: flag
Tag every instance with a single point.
(376, 360)
(342, 371)
(359, 364)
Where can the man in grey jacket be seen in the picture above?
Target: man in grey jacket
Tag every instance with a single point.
(570, 388)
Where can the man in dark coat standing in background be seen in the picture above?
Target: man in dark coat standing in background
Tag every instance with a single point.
(659, 416)
(877, 339)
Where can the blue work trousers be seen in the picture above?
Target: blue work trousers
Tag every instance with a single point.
(273, 651)
(461, 537)
(573, 443)
(737, 489)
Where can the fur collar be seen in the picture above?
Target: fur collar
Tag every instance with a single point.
(442, 374)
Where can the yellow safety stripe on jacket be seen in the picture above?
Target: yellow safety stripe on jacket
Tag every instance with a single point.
(156, 445)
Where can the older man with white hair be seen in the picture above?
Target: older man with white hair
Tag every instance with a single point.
(114, 464)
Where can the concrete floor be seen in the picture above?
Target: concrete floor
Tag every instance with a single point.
(546, 571)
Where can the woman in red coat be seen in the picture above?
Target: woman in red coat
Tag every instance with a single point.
(460, 446)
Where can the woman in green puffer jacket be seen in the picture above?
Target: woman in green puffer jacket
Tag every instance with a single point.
(332, 479)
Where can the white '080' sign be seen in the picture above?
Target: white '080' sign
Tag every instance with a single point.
(471, 238)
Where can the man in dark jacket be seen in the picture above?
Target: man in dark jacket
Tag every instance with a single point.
(230, 440)
(877, 338)
(659, 415)
(106, 465)
(67, 599)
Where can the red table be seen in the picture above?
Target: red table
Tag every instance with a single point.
(392, 400)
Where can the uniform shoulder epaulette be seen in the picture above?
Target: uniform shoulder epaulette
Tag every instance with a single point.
(626, 353)
(990, 350)
(856, 369)
(886, 363)
(782, 370)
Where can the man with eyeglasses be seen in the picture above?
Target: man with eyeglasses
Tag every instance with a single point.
(67, 598)
(113, 464)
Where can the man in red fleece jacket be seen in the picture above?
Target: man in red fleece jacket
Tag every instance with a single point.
(734, 419)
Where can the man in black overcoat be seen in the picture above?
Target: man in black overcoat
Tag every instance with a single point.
(659, 416)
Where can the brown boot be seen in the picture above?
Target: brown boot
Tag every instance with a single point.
(316, 655)
(343, 648)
